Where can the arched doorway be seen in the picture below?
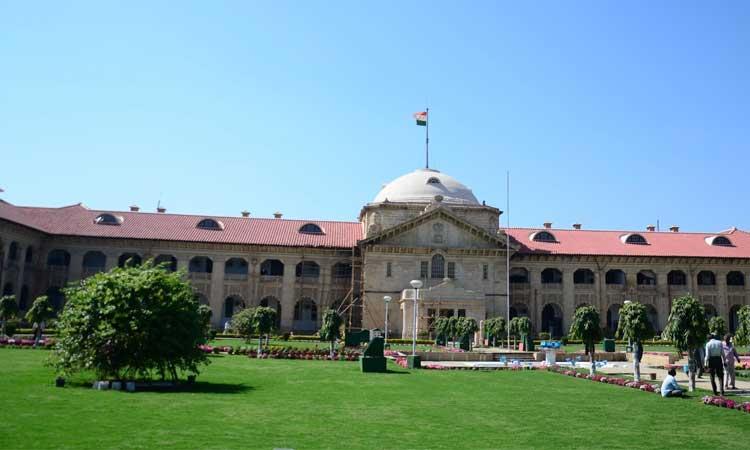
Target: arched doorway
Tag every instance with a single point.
(273, 302)
(305, 315)
(613, 317)
(734, 319)
(653, 317)
(232, 305)
(552, 320)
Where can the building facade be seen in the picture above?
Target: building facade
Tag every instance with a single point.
(423, 225)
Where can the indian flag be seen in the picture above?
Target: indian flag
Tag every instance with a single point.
(421, 118)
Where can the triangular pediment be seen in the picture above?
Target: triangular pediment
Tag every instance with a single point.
(437, 228)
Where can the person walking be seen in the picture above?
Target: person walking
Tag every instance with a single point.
(730, 356)
(715, 362)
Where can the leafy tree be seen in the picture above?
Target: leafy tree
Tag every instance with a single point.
(442, 329)
(494, 329)
(718, 326)
(131, 322)
(586, 327)
(742, 333)
(331, 328)
(40, 312)
(242, 324)
(465, 327)
(687, 329)
(521, 327)
(452, 329)
(8, 310)
(263, 321)
(635, 327)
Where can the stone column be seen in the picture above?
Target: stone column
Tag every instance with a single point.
(111, 261)
(288, 290)
(4, 264)
(722, 297)
(21, 268)
(216, 299)
(568, 294)
(75, 270)
(663, 302)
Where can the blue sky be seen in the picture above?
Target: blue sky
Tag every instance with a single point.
(612, 114)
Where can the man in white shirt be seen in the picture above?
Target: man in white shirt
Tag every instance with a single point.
(715, 362)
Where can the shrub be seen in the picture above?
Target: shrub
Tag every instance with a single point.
(11, 326)
(131, 322)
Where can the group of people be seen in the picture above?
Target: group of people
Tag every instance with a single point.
(719, 357)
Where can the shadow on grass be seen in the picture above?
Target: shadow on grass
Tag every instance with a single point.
(199, 387)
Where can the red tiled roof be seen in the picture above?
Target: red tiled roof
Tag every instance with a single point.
(660, 243)
(77, 220)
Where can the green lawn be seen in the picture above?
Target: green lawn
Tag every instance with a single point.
(244, 403)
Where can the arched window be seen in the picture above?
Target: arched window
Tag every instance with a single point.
(676, 278)
(615, 276)
(551, 276)
(58, 258)
(94, 260)
(169, 262)
(583, 276)
(201, 264)
(721, 241)
(342, 271)
(543, 236)
(613, 317)
(706, 278)
(13, 251)
(519, 275)
(29, 255)
(519, 310)
(272, 267)
(635, 239)
(210, 224)
(433, 180)
(129, 260)
(438, 267)
(232, 304)
(311, 228)
(56, 298)
(552, 319)
(646, 278)
(108, 219)
(235, 266)
(735, 278)
(734, 319)
(308, 269)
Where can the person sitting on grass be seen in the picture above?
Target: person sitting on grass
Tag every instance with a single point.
(670, 388)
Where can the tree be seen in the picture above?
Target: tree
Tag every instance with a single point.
(465, 327)
(635, 327)
(742, 333)
(441, 325)
(263, 321)
(131, 322)
(717, 326)
(242, 324)
(586, 327)
(494, 329)
(687, 329)
(40, 312)
(8, 310)
(331, 328)
(452, 329)
(521, 327)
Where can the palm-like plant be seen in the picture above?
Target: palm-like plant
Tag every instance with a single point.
(331, 328)
(635, 327)
(687, 329)
(40, 312)
(586, 327)
(494, 329)
(263, 322)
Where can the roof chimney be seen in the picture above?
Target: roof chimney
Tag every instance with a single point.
(134, 208)
(161, 209)
(576, 226)
(245, 213)
(277, 215)
(674, 229)
(650, 228)
(548, 225)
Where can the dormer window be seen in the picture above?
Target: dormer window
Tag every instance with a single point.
(108, 219)
(721, 241)
(210, 224)
(433, 180)
(543, 236)
(310, 228)
(636, 239)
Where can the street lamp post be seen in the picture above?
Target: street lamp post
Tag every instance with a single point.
(416, 284)
(387, 299)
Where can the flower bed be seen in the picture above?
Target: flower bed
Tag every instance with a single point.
(726, 403)
(283, 353)
(26, 343)
(641, 385)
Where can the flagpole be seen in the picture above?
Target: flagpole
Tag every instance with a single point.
(427, 139)
(507, 254)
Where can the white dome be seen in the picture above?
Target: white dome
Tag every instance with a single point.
(422, 185)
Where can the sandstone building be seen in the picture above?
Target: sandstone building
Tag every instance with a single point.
(423, 225)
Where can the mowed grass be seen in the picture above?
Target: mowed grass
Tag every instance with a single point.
(245, 403)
